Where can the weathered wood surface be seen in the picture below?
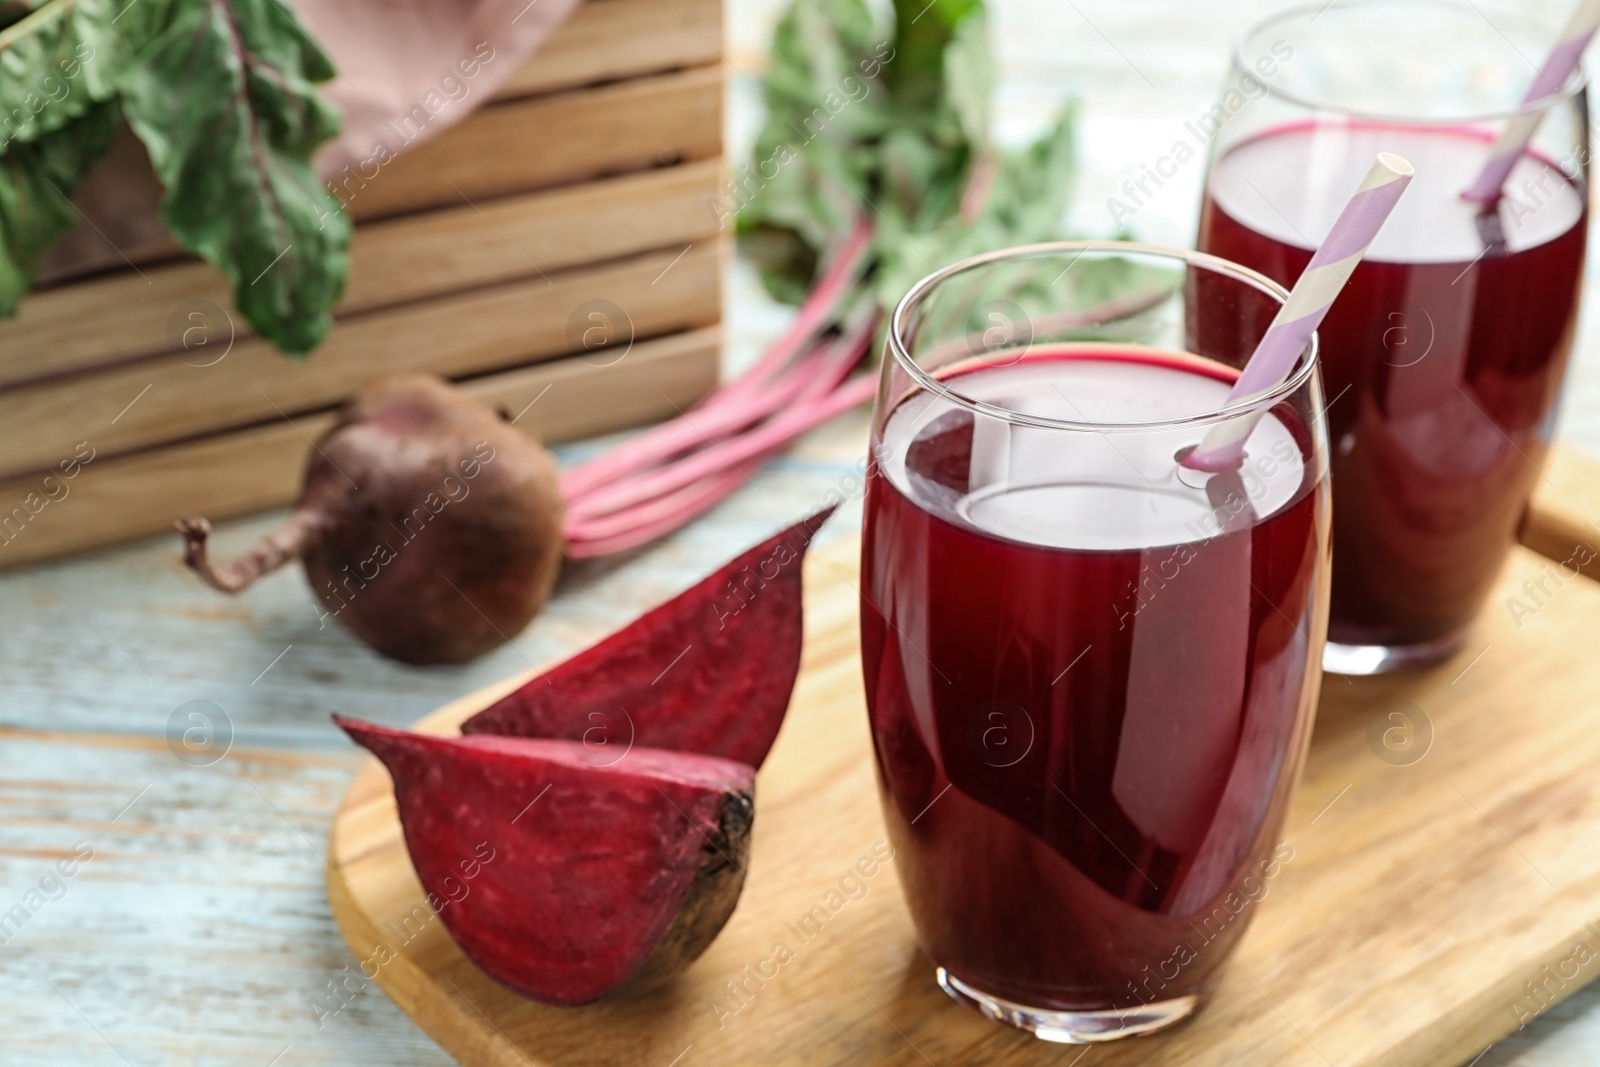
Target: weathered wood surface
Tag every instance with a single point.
(201, 931)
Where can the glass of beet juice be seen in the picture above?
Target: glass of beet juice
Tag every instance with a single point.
(1090, 672)
(1444, 355)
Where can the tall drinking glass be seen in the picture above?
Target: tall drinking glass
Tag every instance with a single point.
(1090, 672)
(1444, 356)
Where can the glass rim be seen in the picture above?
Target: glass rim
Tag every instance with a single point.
(1304, 371)
(1576, 82)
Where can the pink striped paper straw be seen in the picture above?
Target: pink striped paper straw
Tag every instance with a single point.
(1509, 146)
(1303, 312)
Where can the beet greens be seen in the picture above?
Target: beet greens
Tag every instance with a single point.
(875, 167)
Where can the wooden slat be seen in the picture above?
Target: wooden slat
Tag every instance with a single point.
(166, 400)
(116, 499)
(548, 140)
(1563, 520)
(1418, 901)
(604, 40)
(391, 263)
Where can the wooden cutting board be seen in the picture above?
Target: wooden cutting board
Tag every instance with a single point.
(1428, 887)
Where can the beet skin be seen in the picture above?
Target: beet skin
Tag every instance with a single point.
(598, 875)
(426, 524)
(710, 671)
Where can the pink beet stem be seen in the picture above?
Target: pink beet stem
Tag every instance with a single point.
(817, 373)
(844, 356)
(647, 522)
(672, 437)
(706, 427)
(774, 433)
(981, 182)
(823, 301)
(717, 424)
(596, 537)
(771, 435)
(635, 524)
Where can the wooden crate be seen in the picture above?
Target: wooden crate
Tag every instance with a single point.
(581, 197)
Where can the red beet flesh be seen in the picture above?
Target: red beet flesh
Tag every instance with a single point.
(595, 873)
(709, 671)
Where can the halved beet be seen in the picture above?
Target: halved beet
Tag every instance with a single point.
(584, 876)
(709, 671)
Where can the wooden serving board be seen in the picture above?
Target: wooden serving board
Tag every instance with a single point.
(1423, 893)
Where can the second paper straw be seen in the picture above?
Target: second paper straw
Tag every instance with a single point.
(1309, 300)
(1558, 66)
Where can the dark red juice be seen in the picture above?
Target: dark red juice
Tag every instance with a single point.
(1442, 358)
(1089, 674)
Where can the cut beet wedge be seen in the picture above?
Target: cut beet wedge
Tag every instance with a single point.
(562, 877)
(709, 671)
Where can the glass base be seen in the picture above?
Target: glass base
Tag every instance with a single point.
(1381, 659)
(1072, 1027)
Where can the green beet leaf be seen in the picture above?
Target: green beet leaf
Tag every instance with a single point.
(223, 97)
(58, 65)
(909, 150)
(36, 180)
(222, 93)
(814, 161)
(60, 61)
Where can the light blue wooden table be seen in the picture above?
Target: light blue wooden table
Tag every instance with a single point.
(197, 931)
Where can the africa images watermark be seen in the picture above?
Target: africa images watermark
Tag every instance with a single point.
(53, 489)
(1232, 505)
(743, 187)
(1198, 134)
(1537, 592)
(744, 586)
(454, 86)
(452, 490)
(1531, 195)
(342, 989)
(50, 886)
(52, 89)
(1208, 926)
(1551, 983)
(739, 992)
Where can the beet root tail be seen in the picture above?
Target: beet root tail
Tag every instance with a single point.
(287, 541)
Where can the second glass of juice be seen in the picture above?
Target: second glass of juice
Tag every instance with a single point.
(1090, 671)
(1444, 355)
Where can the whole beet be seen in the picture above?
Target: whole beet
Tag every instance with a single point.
(426, 524)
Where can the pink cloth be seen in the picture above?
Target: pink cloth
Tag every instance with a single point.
(418, 66)
(408, 69)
